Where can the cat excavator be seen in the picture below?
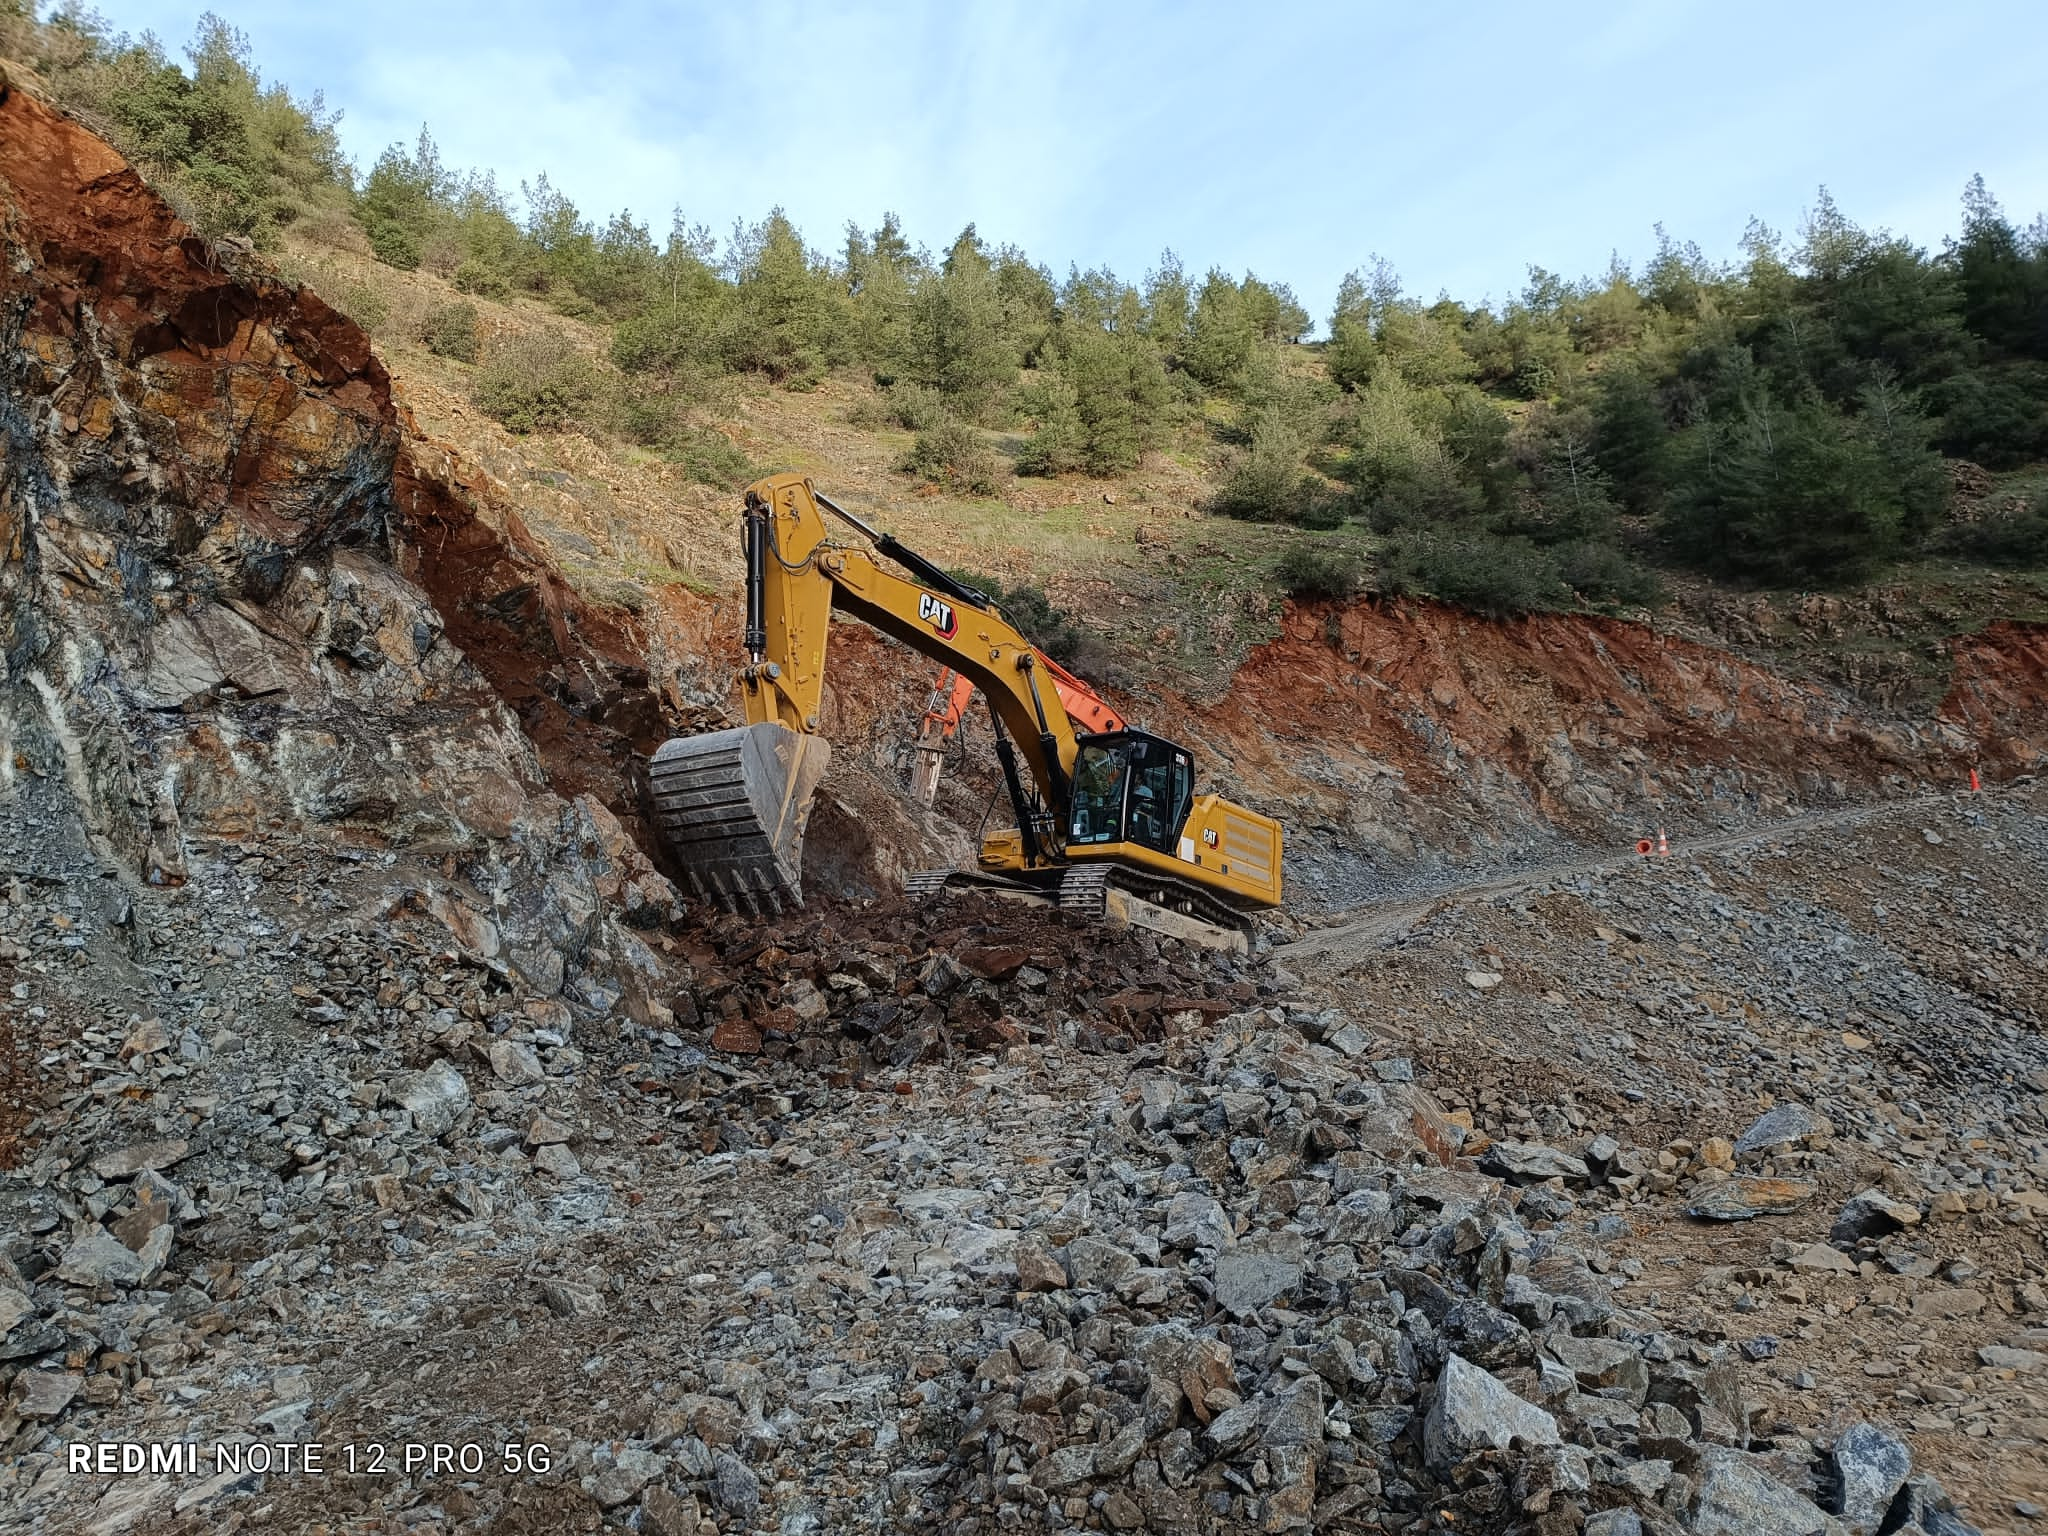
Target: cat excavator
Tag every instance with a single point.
(1108, 823)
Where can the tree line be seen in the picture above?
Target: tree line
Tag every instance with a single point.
(1782, 418)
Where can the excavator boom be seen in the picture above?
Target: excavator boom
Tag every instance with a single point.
(734, 804)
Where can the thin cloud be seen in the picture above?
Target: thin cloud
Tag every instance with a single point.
(1466, 143)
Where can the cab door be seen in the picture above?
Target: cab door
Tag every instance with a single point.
(1162, 791)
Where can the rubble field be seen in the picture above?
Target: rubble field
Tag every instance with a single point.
(1687, 1195)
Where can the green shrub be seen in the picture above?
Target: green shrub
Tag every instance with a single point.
(709, 457)
(1051, 450)
(394, 245)
(450, 331)
(2018, 540)
(486, 282)
(675, 350)
(955, 339)
(536, 383)
(1403, 472)
(403, 201)
(953, 455)
(1058, 444)
(1996, 416)
(1789, 494)
(1120, 397)
(655, 418)
(1313, 569)
(1605, 577)
(1424, 495)
(648, 417)
(1266, 483)
(1271, 491)
(786, 316)
(914, 407)
(1492, 576)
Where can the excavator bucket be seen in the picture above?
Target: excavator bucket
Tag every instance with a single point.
(733, 806)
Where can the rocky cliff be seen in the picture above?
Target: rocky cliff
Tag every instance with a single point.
(1396, 737)
(240, 595)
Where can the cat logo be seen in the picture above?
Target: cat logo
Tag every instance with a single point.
(1209, 836)
(939, 614)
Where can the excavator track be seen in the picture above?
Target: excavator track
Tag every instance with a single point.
(929, 882)
(1182, 897)
(1083, 892)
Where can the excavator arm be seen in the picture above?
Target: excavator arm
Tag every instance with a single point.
(801, 577)
(1087, 711)
(735, 803)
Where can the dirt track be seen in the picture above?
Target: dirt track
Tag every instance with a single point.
(1346, 939)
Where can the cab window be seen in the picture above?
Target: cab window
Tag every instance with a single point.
(1161, 794)
(1151, 793)
(1134, 787)
(1100, 772)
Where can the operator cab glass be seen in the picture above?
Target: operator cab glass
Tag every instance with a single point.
(1130, 787)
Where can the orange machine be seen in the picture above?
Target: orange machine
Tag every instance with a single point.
(948, 705)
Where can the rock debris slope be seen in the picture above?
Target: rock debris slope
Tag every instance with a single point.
(362, 1083)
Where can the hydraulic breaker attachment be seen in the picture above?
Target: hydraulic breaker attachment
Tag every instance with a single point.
(733, 806)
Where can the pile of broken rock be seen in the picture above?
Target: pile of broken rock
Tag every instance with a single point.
(1282, 1311)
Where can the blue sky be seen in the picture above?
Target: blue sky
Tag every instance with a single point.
(1461, 141)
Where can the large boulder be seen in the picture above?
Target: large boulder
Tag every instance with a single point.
(1871, 1465)
(1473, 1412)
(1735, 1497)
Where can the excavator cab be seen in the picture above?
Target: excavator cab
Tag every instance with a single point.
(1131, 787)
(1134, 806)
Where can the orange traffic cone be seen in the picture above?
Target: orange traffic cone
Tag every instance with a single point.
(1663, 844)
(1643, 846)
(1974, 785)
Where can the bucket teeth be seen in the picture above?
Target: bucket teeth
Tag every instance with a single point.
(733, 806)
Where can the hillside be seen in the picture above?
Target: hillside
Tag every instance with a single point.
(1358, 720)
(1168, 588)
(1837, 412)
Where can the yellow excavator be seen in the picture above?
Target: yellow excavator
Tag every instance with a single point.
(1109, 824)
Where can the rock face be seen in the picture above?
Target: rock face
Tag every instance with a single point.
(1458, 731)
(238, 594)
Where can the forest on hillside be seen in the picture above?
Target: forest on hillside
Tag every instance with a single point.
(1799, 417)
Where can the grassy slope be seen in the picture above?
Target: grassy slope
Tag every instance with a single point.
(1173, 592)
